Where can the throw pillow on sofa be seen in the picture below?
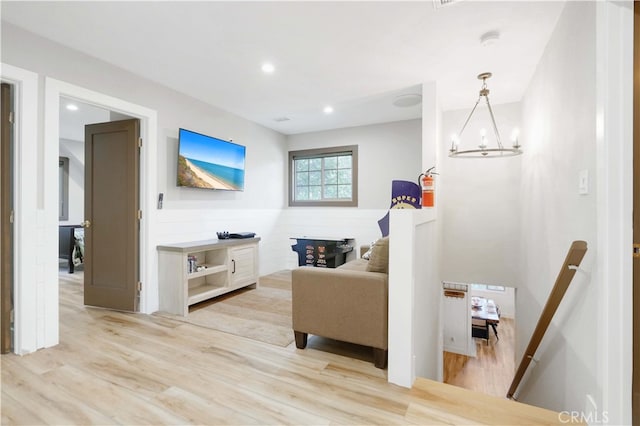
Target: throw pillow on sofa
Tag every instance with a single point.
(367, 254)
(379, 258)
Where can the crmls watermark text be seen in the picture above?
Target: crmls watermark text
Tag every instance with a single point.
(594, 417)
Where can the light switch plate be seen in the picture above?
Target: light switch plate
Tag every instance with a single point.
(583, 182)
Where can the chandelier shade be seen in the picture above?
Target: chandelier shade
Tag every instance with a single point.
(484, 150)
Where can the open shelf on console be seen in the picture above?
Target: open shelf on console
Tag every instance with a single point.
(228, 265)
(209, 270)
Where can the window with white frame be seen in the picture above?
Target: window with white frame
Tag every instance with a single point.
(487, 287)
(324, 177)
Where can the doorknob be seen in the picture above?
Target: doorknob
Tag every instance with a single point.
(85, 224)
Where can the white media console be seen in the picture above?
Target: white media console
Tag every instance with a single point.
(195, 271)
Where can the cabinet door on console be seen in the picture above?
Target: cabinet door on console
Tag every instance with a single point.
(244, 265)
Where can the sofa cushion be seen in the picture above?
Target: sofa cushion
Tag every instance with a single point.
(379, 259)
(355, 265)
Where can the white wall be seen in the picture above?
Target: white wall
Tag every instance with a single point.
(415, 317)
(175, 110)
(559, 140)
(480, 200)
(386, 152)
(265, 148)
(74, 151)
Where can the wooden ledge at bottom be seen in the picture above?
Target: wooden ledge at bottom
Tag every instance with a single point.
(440, 403)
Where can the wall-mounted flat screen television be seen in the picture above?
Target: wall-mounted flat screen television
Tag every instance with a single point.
(208, 162)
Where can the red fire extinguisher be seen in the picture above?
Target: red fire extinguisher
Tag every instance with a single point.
(427, 182)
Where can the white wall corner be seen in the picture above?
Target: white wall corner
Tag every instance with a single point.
(614, 181)
(404, 276)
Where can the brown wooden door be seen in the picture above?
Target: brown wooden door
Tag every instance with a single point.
(6, 225)
(111, 215)
(636, 218)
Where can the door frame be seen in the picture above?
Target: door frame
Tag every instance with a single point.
(27, 322)
(54, 89)
(6, 213)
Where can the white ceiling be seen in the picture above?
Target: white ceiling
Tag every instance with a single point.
(72, 122)
(355, 56)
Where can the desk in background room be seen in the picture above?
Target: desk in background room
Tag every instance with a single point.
(484, 313)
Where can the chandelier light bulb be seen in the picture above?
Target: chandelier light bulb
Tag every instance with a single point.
(454, 142)
(483, 139)
(515, 133)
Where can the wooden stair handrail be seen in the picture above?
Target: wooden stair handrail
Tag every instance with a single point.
(573, 259)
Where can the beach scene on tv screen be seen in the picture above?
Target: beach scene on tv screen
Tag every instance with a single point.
(206, 162)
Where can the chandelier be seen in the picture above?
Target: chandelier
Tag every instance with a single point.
(483, 150)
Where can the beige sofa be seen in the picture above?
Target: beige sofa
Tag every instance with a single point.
(348, 303)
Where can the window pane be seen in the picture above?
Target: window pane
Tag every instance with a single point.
(302, 179)
(331, 191)
(344, 162)
(314, 178)
(344, 191)
(344, 176)
(315, 163)
(302, 165)
(324, 175)
(302, 193)
(330, 177)
(315, 192)
(330, 162)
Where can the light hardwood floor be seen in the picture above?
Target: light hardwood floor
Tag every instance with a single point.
(121, 368)
(492, 370)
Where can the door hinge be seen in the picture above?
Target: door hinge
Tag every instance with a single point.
(139, 214)
(12, 315)
(11, 217)
(636, 250)
(139, 142)
(11, 117)
(139, 287)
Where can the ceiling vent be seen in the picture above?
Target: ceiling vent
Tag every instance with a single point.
(407, 100)
(437, 4)
(281, 119)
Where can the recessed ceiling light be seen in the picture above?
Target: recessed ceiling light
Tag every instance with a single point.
(268, 68)
(407, 100)
(328, 109)
(72, 107)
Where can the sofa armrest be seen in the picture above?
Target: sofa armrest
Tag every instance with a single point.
(345, 305)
